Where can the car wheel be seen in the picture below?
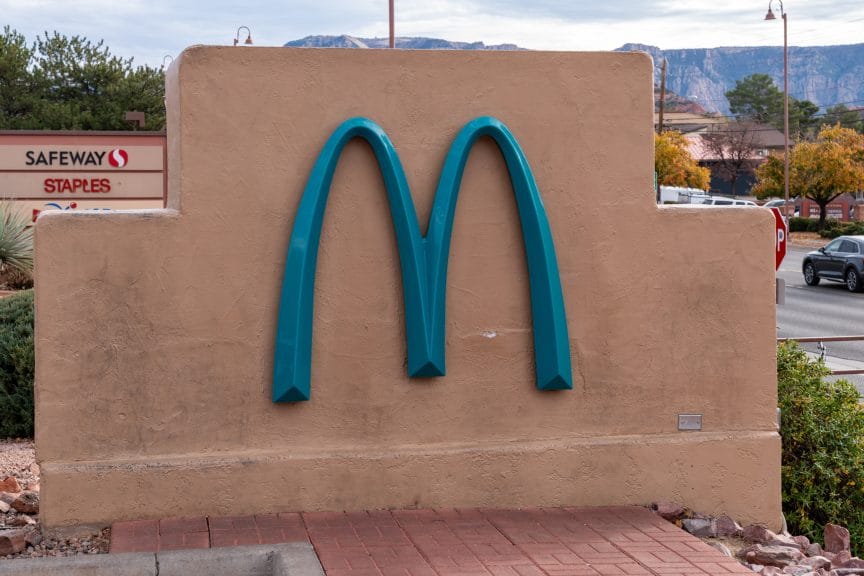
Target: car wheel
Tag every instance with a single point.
(810, 276)
(853, 280)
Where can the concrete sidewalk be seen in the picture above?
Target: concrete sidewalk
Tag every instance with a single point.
(528, 542)
(838, 364)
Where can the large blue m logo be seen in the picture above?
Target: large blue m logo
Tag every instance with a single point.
(423, 259)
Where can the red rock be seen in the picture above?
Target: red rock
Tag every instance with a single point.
(726, 526)
(836, 538)
(12, 541)
(27, 503)
(780, 556)
(783, 540)
(22, 520)
(668, 510)
(854, 563)
(840, 558)
(10, 484)
(813, 549)
(817, 562)
(758, 534)
(770, 571)
(802, 541)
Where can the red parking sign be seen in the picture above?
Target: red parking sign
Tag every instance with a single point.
(779, 238)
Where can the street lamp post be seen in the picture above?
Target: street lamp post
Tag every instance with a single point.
(770, 16)
(392, 27)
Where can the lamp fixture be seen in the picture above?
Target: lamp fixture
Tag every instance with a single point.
(248, 40)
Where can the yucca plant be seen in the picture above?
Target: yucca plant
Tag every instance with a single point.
(16, 240)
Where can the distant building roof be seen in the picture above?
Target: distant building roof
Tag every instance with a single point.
(765, 139)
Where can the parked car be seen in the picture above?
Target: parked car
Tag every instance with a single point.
(841, 260)
(779, 204)
(723, 201)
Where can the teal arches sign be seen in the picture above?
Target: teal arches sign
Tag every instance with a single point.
(423, 259)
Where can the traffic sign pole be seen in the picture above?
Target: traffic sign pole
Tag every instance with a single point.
(780, 237)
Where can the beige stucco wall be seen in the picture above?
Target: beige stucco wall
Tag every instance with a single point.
(155, 330)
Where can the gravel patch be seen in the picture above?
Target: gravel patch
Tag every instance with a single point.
(18, 460)
(807, 240)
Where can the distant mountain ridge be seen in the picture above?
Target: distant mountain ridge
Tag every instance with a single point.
(404, 42)
(825, 75)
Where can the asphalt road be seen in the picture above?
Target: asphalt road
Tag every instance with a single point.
(825, 310)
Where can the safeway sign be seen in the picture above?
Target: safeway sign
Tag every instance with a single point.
(779, 238)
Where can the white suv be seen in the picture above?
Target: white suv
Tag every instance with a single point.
(779, 204)
(723, 201)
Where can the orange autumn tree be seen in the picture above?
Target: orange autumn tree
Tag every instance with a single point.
(821, 170)
(674, 164)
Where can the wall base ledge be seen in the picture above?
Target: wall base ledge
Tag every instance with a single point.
(724, 472)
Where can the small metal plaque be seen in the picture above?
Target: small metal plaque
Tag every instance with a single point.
(689, 422)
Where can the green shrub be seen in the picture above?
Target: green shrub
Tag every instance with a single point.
(16, 239)
(822, 425)
(16, 365)
(843, 229)
(811, 224)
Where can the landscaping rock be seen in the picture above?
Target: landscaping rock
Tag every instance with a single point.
(699, 527)
(669, 510)
(853, 563)
(10, 484)
(797, 570)
(802, 541)
(4, 507)
(784, 540)
(27, 503)
(813, 549)
(846, 571)
(758, 534)
(762, 535)
(836, 538)
(7, 497)
(817, 562)
(780, 556)
(841, 558)
(12, 541)
(770, 571)
(726, 526)
(22, 520)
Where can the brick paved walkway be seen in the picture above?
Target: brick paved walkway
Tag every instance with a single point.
(532, 542)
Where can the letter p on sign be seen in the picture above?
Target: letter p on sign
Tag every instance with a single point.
(779, 238)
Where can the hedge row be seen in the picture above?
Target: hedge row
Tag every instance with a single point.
(16, 365)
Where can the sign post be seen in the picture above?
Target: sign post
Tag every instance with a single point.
(779, 238)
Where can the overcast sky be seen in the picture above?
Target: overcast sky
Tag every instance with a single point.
(148, 30)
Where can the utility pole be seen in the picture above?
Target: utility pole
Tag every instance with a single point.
(662, 96)
(392, 32)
